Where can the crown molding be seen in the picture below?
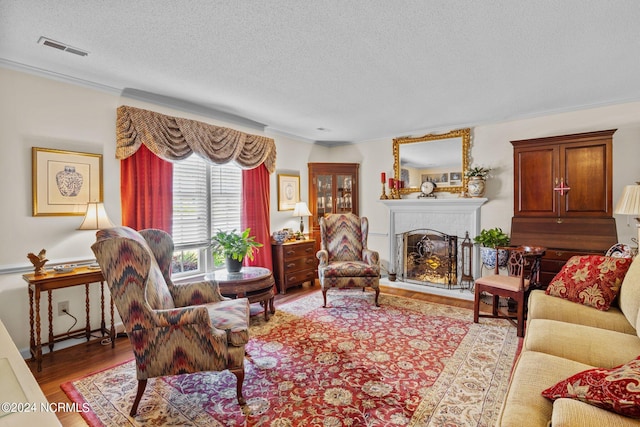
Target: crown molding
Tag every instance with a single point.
(57, 76)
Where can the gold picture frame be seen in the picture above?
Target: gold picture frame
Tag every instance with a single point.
(63, 182)
(288, 192)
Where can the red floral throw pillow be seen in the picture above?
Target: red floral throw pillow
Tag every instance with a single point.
(616, 389)
(592, 280)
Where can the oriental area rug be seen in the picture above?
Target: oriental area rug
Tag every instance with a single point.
(405, 363)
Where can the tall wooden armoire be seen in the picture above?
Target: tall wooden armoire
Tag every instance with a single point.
(563, 196)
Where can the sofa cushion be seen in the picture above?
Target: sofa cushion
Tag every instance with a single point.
(592, 280)
(542, 306)
(534, 372)
(573, 413)
(584, 344)
(232, 316)
(629, 298)
(616, 389)
(350, 269)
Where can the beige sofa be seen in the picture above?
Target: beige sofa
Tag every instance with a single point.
(563, 338)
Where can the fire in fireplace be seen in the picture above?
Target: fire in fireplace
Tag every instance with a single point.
(429, 257)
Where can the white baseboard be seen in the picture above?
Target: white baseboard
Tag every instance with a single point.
(464, 294)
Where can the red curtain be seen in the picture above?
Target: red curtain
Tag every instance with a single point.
(255, 212)
(146, 191)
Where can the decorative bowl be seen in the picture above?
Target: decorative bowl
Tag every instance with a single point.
(280, 236)
(67, 268)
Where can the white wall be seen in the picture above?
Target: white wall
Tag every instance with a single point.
(293, 156)
(40, 112)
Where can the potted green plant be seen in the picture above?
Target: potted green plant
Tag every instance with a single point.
(477, 172)
(476, 177)
(488, 239)
(234, 246)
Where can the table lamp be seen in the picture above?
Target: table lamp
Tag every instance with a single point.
(96, 217)
(301, 210)
(629, 204)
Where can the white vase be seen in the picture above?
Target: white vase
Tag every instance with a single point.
(475, 186)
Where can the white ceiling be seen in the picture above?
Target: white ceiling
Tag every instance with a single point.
(360, 69)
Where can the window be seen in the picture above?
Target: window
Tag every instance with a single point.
(206, 197)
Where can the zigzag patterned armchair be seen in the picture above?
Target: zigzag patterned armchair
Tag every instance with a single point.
(173, 328)
(345, 260)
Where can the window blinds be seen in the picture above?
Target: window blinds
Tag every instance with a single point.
(206, 197)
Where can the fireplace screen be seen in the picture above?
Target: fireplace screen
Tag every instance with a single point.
(429, 257)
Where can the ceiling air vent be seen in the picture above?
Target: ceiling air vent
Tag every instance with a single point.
(61, 46)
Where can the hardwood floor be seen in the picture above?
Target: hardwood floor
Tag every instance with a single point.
(74, 362)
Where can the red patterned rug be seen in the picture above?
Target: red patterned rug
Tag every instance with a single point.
(405, 363)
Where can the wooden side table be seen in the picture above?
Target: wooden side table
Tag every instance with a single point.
(49, 282)
(294, 263)
(254, 283)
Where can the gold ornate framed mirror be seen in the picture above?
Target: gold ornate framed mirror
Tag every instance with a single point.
(440, 159)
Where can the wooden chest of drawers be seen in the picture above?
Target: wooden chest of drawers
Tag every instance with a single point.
(294, 263)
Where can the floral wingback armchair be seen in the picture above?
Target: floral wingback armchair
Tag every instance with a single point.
(345, 261)
(173, 328)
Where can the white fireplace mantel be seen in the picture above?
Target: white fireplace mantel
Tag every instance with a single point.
(454, 216)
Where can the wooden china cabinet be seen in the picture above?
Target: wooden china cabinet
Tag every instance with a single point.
(563, 196)
(333, 188)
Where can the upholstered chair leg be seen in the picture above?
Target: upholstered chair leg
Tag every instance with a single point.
(239, 373)
(324, 296)
(142, 384)
(377, 295)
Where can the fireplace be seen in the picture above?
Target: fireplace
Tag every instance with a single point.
(450, 216)
(429, 257)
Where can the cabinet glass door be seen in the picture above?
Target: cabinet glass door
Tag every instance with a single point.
(324, 199)
(344, 203)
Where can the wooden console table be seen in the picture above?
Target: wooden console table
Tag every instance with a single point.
(51, 281)
(254, 283)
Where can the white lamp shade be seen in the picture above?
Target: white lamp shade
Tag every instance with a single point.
(96, 217)
(629, 203)
(301, 209)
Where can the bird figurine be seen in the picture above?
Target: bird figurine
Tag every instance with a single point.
(38, 261)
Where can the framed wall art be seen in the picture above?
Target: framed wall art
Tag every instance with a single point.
(288, 191)
(63, 182)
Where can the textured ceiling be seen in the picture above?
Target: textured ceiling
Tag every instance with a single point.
(358, 69)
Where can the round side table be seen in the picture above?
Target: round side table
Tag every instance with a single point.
(254, 283)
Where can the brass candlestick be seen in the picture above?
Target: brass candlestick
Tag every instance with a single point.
(394, 194)
(383, 196)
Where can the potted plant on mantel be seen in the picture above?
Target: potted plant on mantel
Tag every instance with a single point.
(234, 247)
(488, 239)
(476, 177)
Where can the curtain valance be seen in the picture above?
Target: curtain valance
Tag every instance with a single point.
(175, 138)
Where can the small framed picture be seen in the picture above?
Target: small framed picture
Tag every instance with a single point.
(437, 178)
(63, 182)
(455, 178)
(288, 192)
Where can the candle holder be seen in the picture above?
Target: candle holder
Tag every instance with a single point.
(383, 196)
